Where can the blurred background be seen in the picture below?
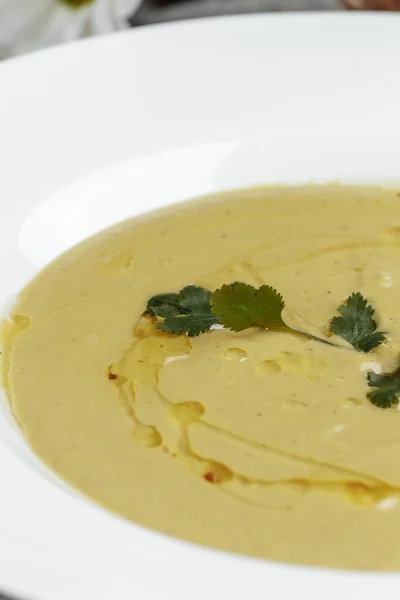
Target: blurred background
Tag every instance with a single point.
(27, 25)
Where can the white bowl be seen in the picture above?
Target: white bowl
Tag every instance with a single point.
(94, 132)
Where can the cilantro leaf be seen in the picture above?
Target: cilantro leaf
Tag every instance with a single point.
(192, 324)
(240, 306)
(195, 298)
(187, 312)
(164, 305)
(386, 392)
(357, 325)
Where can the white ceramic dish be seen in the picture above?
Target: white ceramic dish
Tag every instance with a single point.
(97, 131)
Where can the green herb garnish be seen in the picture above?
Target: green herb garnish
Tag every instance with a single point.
(187, 312)
(386, 392)
(357, 325)
(240, 306)
(165, 305)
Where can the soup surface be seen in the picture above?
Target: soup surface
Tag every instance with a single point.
(258, 442)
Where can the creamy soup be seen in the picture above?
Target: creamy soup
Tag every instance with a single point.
(259, 442)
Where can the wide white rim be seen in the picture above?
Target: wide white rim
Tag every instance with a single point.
(54, 544)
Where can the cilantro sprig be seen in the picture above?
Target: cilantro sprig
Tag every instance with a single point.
(357, 324)
(386, 388)
(187, 312)
(240, 306)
